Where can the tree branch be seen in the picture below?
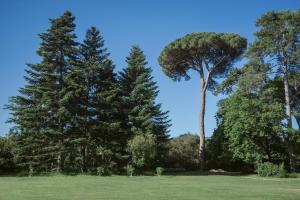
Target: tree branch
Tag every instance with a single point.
(207, 66)
(204, 87)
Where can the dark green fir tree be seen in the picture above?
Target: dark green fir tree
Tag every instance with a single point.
(96, 124)
(142, 115)
(41, 111)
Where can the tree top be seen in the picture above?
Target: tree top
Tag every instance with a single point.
(215, 51)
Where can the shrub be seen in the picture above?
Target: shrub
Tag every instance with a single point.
(293, 175)
(183, 152)
(105, 162)
(100, 171)
(269, 169)
(142, 149)
(129, 170)
(30, 172)
(159, 171)
(7, 164)
(282, 173)
(104, 171)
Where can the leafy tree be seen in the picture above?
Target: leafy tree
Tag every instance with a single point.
(142, 149)
(41, 111)
(211, 55)
(218, 154)
(277, 43)
(183, 151)
(251, 117)
(141, 114)
(253, 137)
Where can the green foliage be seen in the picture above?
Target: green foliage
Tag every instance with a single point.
(105, 160)
(129, 169)
(267, 169)
(211, 55)
(253, 137)
(103, 171)
(278, 37)
(76, 115)
(141, 114)
(142, 149)
(218, 155)
(95, 110)
(183, 151)
(31, 171)
(277, 45)
(282, 172)
(159, 171)
(41, 113)
(192, 51)
(6, 155)
(293, 175)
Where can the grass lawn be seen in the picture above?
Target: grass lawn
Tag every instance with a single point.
(212, 187)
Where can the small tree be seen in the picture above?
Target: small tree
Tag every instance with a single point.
(211, 55)
(142, 149)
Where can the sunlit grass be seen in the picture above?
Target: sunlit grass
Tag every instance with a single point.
(212, 187)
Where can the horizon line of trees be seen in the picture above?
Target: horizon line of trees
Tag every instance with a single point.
(75, 114)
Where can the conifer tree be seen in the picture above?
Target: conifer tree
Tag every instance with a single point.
(41, 111)
(139, 91)
(96, 96)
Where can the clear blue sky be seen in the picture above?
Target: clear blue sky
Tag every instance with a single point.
(150, 24)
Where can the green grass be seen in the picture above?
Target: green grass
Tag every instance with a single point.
(212, 187)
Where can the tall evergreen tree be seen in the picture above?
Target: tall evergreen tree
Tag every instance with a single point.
(41, 111)
(96, 98)
(139, 91)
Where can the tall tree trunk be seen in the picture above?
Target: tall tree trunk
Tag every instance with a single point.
(59, 159)
(202, 130)
(84, 157)
(289, 119)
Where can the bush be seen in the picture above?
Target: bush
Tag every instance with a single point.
(142, 149)
(269, 169)
(100, 171)
(282, 173)
(30, 172)
(159, 171)
(103, 171)
(7, 164)
(129, 170)
(183, 152)
(293, 175)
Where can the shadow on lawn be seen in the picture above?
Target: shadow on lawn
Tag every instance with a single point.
(205, 173)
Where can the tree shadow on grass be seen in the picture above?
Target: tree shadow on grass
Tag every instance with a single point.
(205, 173)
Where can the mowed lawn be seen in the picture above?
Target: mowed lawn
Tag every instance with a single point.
(212, 187)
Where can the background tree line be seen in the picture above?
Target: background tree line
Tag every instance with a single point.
(75, 114)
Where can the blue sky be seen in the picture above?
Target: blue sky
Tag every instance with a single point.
(150, 24)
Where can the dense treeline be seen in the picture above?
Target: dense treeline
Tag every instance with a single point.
(255, 122)
(256, 119)
(76, 114)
